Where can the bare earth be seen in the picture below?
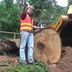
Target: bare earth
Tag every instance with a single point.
(64, 65)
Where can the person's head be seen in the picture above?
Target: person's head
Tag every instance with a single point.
(29, 9)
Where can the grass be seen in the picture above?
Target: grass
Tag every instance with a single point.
(37, 67)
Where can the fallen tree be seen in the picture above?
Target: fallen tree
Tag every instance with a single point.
(47, 46)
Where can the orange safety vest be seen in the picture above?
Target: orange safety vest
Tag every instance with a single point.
(26, 24)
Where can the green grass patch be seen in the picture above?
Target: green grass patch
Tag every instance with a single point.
(37, 67)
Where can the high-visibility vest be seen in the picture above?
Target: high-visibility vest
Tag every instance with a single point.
(26, 24)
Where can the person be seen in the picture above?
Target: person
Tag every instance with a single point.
(26, 34)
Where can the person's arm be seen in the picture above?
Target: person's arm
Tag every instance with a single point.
(23, 15)
(37, 27)
(35, 22)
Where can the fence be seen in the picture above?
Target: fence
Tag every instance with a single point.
(3, 33)
(13, 36)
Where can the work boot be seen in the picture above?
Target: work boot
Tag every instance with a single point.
(30, 61)
(23, 62)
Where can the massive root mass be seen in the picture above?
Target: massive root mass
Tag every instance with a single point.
(8, 47)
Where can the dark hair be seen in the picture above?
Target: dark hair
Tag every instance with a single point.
(25, 7)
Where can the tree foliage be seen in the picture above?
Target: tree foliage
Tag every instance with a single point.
(46, 12)
(8, 3)
(9, 17)
(69, 2)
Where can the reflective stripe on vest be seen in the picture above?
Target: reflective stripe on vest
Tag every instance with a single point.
(26, 24)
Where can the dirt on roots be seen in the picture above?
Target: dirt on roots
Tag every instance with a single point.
(64, 65)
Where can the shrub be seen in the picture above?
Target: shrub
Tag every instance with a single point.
(37, 67)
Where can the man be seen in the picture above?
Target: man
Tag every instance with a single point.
(26, 32)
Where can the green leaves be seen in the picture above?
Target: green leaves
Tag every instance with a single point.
(46, 12)
(8, 3)
(9, 18)
(69, 2)
(37, 67)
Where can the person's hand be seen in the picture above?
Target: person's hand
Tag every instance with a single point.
(42, 27)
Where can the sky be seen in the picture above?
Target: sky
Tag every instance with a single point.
(63, 3)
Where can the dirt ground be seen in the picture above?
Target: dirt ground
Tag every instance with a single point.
(64, 65)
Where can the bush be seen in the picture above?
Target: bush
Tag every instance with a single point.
(37, 67)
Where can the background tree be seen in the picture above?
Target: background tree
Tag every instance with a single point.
(46, 12)
(69, 2)
(9, 16)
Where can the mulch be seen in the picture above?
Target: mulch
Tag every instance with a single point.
(64, 65)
